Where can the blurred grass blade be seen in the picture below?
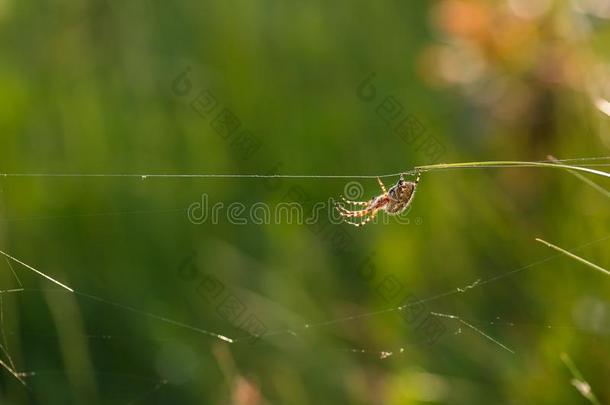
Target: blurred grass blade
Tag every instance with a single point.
(578, 381)
(573, 256)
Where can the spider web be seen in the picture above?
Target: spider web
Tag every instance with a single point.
(460, 324)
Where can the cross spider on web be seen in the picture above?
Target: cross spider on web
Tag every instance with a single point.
(393, 201)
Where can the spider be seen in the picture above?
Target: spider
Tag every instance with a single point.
(393, 201)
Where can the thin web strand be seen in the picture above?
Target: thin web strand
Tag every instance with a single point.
(3, 334)
(443, 166)
(476, 284)
(18, 376)
(474, 328)
(127, 308)
(154, 316)
(10, 266)
(459, 290)
(96, 214)
(380, 354)
(40, 273)
(224, 338)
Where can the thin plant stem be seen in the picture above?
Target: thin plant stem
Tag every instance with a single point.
(508, 163)
(583, 178)
(573, 256)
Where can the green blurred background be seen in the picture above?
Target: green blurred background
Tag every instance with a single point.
(112, 86)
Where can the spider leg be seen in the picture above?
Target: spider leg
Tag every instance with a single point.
(344, 211)
(353, 222)
(365, 220)
(385, 192)
(352, 214)
(361, 203)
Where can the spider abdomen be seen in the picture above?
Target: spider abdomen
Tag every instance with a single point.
(401, 196)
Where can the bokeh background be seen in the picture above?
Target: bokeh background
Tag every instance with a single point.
(317, 87)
